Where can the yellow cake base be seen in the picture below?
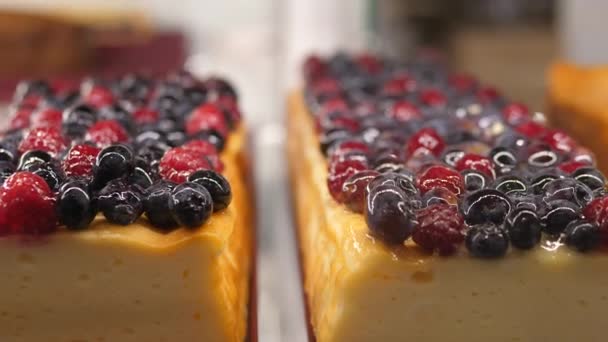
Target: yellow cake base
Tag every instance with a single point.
(113, 283)
(359, 290)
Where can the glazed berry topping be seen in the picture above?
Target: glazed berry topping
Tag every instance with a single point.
(156, 205)
(80, 160)
(106, 132)
(426, 140)
(597, 212)
(179, 163)
(524, 227)
(100, 146)
(438, 176)
(440, 228)
(190, 204)
(558, 214)
(388, 214)
(217, 185)
(477, 163)
(487, 240)
(486, 205)
(475, 154)
(582, 236)
(47, 139)
(339, 172)
(27, 205)
(75, 207)
(121, 203)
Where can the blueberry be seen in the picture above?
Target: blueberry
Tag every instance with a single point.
(504, 159)
(216, 184)
(331, 137)
(32, 159)
(543, 159)
(557, 215)
(387, 162)
(582, 236)
(388, 215)
(486, 205)
(523, 200)
(568, 189)
(451, 156)
(134, 86)
(509, 184)
(487, 241)
(196, 95)
(213, 137)
(120, 202)
(6, 169)
(120, 114)
(6, 154)
(401, 181)
(77, 119)
(474, 180)
(149, 137)
(74, 206)
(591, 177)
(176, 138)
(524, 228)
(140, 177)
(112, 162)
(190, 204)
(540, 179)
(156, 205)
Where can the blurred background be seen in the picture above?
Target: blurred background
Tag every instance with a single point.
(260, 44)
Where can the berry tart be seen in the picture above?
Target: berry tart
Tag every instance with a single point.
(432, 208)
(124, 213)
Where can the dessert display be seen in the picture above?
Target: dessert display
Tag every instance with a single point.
(431, 207)
(124, 212)
(577, 102)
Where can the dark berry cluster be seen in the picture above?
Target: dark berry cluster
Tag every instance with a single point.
(122, 147)
(438, 157)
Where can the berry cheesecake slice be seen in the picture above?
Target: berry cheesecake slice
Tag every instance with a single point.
(431, 208)
(124, 212)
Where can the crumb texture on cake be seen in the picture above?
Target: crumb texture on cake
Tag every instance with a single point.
(358, 289)
(114, 283)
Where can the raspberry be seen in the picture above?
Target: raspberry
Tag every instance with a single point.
(46, 117)
(433, 98)
(20, 117)
(353, 189)
(487, 95)
(597, 212)
(403, 111)
(348, 146)
(531, 129)
(145, 115)
(79, 160)
(47, 139)
(559, 140)
(336, 120)
(462, 82)
(369, 63)
(439, 176)
(399, 85)
(179, 163)
(573, 165)
(339, 172)
(334, 104)
(440, 228)
(325, 85)
(230, 106)
(425, 140)
(515, 113)
(106, 132)
(99, 97)
(27, 205)
(476, 162)
(204, 117)
(207, 149)
(314, 67)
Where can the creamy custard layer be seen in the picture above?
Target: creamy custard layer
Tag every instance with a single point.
(359, 290)
(113, 283)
